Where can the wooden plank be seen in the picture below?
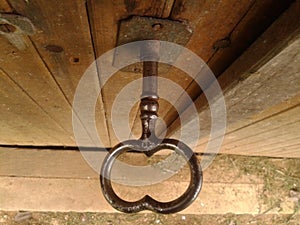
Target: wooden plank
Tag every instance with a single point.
(277, 111)
(64, 164)
(37, 82)
(251, 24)
(22, 120)
(51, 172)
(4, 6)
(259, 53)
(52, 181)
(51, 195)
(271, 88)
(67, 55)
(210, 22)
(104, 17)
(261, 138)
(29, 80)
(58, 48)
(37, 180)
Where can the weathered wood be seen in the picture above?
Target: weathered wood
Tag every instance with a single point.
(4, 6)
(85, 196)
(210, 22)
(57, 64)
(67, 55)
(278, 110)
(37, 82)
(263, 107)
(49, 175)
(281, 34)
(278, 132)
(23, 121)
(246, 106)
(65, 174)
(104, 17)
(225, 49)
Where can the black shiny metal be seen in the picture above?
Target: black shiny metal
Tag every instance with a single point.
(148, 203)
(150, 144)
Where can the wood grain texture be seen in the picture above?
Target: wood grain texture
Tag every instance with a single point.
(61, 180)
(4, 6)
(261, 109)
(37, 82)
(229, 40)
(282, 33)
(47, 72)
(64, 43)
(52, 172)
(240, 198)
(210, 22)
(23, 121)
(104, 18)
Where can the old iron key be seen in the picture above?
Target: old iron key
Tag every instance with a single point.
(149, 144)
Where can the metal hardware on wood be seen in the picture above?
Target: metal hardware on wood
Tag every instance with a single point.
(149, 28)
(150, 144)
(13, 27)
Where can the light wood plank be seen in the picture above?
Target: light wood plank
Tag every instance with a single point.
(67, 55)
(37, 82)
(85, 196)
(65, 175)
(253, 141)
(23, 121)
(256, 56)
(239, 36)
(271, 89)
(60, 180)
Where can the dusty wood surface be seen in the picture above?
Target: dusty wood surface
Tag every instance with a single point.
(65, 54)
(263, 110)
(104, 17)
(65, 42)
(223, 36)
(262, 50)
(4, 6)
(262, 90)
(85, 196)
(16, 107)
(36, 81)
(62, 181)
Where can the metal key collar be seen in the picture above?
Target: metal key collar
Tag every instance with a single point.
(149, 144)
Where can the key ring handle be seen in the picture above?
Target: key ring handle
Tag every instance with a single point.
(147, 202)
